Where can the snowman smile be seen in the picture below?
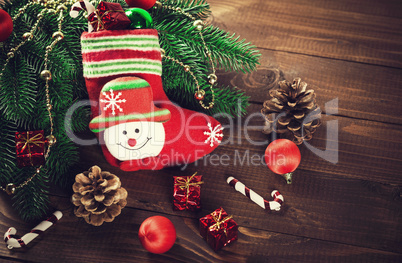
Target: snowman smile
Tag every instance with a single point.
(131, 149)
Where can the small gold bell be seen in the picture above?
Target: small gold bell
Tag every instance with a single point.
(199, 95)
(46, 75)
(212, 78)
(27, 35)
(199, 25)
(10, 189)
(61, 7)
(51, 140)
(59, 35)
(158, 5)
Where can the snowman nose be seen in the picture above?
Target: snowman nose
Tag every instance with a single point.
(132, 142)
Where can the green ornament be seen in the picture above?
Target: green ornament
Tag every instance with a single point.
(139, 18)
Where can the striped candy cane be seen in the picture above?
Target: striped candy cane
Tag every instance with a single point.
(82, 5)
(13, 242)
(256, 198)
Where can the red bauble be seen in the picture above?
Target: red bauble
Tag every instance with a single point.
(283, 157)
(144, 4)
(157, 234)
(6, 25)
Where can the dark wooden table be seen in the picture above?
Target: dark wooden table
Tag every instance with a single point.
(349, 52)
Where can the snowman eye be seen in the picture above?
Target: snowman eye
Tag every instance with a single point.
(137, 130)
(124, 132)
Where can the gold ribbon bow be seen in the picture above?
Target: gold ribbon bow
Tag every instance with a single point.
(27, 141)
(219, 221)
(185, 183)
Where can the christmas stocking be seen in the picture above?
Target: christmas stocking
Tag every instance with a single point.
(138, 127)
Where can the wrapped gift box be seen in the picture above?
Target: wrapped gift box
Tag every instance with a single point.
(30, 148)
(109, 16)
(186, 193)
(218, 229)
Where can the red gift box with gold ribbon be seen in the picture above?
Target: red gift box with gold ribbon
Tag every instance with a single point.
(218, 229)
(109, 16)
(186, 193)
(30, 148)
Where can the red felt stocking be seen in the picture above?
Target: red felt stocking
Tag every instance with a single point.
(108, 55)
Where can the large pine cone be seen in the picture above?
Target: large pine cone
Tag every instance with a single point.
(98, 196)
(292, 111)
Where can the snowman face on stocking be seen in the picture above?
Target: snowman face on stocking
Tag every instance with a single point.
(135, 140)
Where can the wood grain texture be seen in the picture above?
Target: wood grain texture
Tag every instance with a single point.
(72, 240)
(319, 28)
(366, 149)
(363, 91)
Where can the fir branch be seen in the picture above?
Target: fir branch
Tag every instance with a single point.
(180, 50)
(174, 78)
(81, 117)
(228, 51)
(64, 156)
(182, 42)
(7, 155)
(228, 100)
(17, 90)
(199, 9)
(26, 106)
(31, 202)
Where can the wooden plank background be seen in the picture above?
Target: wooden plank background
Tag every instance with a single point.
(350, 211)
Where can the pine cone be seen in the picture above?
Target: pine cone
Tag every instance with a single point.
(292, 111)
(98, 196)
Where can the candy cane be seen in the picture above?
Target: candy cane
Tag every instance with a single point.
(82, 5)
(13, 242)
(256, 198)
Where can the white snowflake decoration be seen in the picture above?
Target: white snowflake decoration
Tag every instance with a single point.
(113, 101)
(213, 134)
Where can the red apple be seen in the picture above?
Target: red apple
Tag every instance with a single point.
(157, 234)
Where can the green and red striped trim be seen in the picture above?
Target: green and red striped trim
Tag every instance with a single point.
(108, 55)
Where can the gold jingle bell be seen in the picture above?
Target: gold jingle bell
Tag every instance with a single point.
(10, 189)
(158, 5)
(199, 95)
(27, 36)
(212, 78)
(199, 25)
(58, 35)
(50, 140)
(46, 75)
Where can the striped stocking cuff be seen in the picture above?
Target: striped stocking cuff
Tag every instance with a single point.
(115, 52)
